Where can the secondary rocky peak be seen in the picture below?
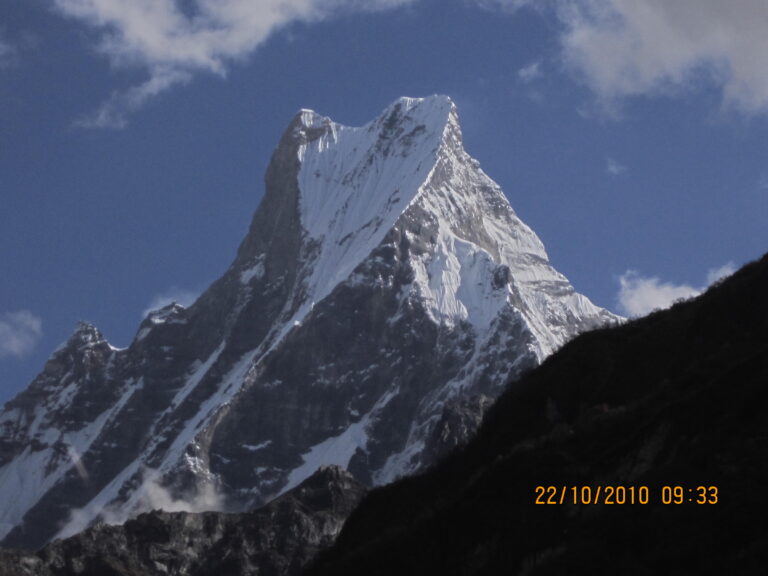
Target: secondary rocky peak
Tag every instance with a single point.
(85, 334)
(84, 352)
(170, 313)
(307, 125)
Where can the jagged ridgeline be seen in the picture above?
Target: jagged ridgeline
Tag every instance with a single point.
(278, 539)
(385, 291)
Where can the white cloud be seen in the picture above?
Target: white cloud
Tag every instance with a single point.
(724, 271)
(154, 496)
(114, 112)
(640, 295)
(20, 332)
(528, 74)
(622, 48)
(77, 462)
(171, 40)
(619, 48)
(613, 167)
(180, 296)
(151, 495)
(8, 54)
(509, 5)
(633, 47)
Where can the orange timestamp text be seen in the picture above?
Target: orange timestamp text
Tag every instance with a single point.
(620, 494)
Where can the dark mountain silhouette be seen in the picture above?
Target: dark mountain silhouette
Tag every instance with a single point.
(673, 399)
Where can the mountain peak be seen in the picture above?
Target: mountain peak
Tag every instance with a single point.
(383, 276)
(355, 182)
(432, 111)
(436, 106)
(431, 114)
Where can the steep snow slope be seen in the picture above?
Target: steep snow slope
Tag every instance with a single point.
(384, 291)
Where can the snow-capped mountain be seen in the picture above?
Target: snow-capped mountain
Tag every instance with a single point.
(384, 292)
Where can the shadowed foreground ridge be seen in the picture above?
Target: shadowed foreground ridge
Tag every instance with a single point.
(676, 398)
(277, 539)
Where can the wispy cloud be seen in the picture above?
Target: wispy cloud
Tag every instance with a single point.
(529, 73)
(173, 40)
(150, 495)
(20, 332)
(613, 167)
(173, 294)
(639, 295)
(8, 54)
(14, 47)
(114, 112)
(508, 5)
(77, 462)
(723, 271)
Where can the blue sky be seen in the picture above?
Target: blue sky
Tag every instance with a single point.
(134, 134)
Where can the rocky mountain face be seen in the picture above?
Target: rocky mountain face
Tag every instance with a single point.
(276, 540)
(675, 399)
(384, 293)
